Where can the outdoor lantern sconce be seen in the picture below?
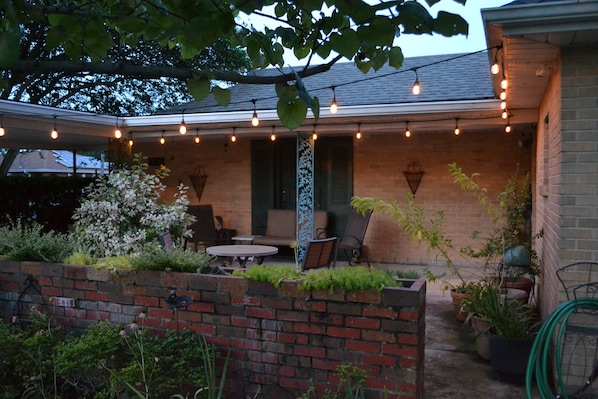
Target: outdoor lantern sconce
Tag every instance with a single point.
(198, 179)
(413, 174)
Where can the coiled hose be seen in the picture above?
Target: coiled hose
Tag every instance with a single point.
(539, 356)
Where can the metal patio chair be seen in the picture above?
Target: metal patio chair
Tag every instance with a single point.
(352, 239)
(319, 253)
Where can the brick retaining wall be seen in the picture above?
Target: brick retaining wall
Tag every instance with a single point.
(278, 339)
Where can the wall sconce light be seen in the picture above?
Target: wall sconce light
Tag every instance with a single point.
(413, 174)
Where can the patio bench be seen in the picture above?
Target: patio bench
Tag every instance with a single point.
(281, 226)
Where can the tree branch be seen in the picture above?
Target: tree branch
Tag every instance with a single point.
(155, 72)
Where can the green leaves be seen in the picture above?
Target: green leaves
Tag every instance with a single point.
(293, 102)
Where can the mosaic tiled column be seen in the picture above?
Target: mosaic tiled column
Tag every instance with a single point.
(305, 192)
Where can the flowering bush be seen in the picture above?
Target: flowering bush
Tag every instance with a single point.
(123, 212)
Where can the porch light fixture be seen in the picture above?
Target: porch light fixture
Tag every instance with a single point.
(131, 139)
(182, 126)
(416, 89)
(2, 132)
(54, 132)
(508, 127)
(233, 137)
(117, 133)
(457, 130)
(494, 69)
(407, 131)
(333, 104)
(162, 139)
(358, 134)
(255, 121)
(273, 135)
(197, 136)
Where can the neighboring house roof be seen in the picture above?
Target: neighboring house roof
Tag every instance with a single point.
(55, 162)
(447, 77)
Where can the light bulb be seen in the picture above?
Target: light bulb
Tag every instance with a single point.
(503, 105)
(197, 140)
(358, 134)
(162, 140)
(416, 89)
(503, 95)
(182, 126)
(504, 83)
(255, 121)
(2, 132)
(54, 134)
(314, 136)
(505, 114)
(333, 104)
(273, 137)
(495, 68)
(457, 130)
(508, 128)
(130, 142)
(233, 138)
(407, 133)
(117, 133)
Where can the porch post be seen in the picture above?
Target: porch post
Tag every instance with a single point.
(305, 192)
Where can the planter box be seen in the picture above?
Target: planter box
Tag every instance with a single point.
(279, 339)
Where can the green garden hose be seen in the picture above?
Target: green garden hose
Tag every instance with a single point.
(538, 360)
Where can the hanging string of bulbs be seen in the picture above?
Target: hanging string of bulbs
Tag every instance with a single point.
(334, 105)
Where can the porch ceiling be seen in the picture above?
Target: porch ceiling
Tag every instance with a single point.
(532, 33)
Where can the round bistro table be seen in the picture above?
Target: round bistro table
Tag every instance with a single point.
(243, 252)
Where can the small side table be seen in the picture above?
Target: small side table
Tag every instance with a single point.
(243, 240)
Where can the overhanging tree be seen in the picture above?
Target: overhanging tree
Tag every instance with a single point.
(356, 30)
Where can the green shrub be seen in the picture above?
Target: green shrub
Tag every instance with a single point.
(29, 242)
(80, 258)
(348, 278)
(178, 260)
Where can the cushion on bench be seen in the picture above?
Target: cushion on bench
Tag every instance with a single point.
(280, 227)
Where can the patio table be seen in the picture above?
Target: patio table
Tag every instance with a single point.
(243, 252)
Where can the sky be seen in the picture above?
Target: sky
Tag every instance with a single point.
(418, 45)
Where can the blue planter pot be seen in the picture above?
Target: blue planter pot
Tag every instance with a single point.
(518, 256)
(508, 355)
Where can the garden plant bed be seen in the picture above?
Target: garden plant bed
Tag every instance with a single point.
(279, 338)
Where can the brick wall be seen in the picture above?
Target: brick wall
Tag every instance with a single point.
(378, 164)
(278, 339)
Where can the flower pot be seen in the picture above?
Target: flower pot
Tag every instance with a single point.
(482, 344)
(458, 298)
(518, 256)
(509, 356)
(519, 283)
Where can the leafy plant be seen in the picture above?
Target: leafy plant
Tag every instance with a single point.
(178, 260)
(124, 211)
(352, 379)
(80, 258)
(29, 242)
(350, 279)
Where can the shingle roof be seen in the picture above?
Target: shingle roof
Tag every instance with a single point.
(451, 77)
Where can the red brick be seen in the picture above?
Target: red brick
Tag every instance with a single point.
(291, 315)
(344, 332)
(245, 300)
(96, 296)
(277, 303)
(271, 358)
(409, 315)
(362, 322)
(86, 285)
(134, 290)
(160, 313)
(202, 329)
(369, 296)
(232, 284)
(372, 311)
(309, 328)
(75, 272)
(337, 295)
(379, 336)
(410, 339)
(325, 364)
(244, 322)
(176, 281)
(33, 268)
(309, 351)
(380, 360)
(313, 306)
(407, 363)
(189, 316)
(261, 313)
(327, 318)
(361, 346)
(147, 301)
(95, 315)
(290, 288)
(49, 291)
(246, 344)
(287, 338)
(302, 339)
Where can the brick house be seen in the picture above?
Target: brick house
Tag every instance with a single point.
(548, 51)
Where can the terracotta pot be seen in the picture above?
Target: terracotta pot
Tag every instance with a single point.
(482, 344)
(519, 283)
(458, 298)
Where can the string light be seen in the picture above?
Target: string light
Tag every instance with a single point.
(182, 126)
(233, 137)
(273, 135)
(162, 139)
(255, 121)
(504, 83)
(508, 127)
(457, 130)
(505, 114)
(197, 136)
(494, 69)
(2, 132)
(131, 139)
(503, 105)
(333, 104)
(407, 131)
(314, 135)
(416, 89)
(358, 134)
(117, 133)
(503, 95)
(54, 132)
